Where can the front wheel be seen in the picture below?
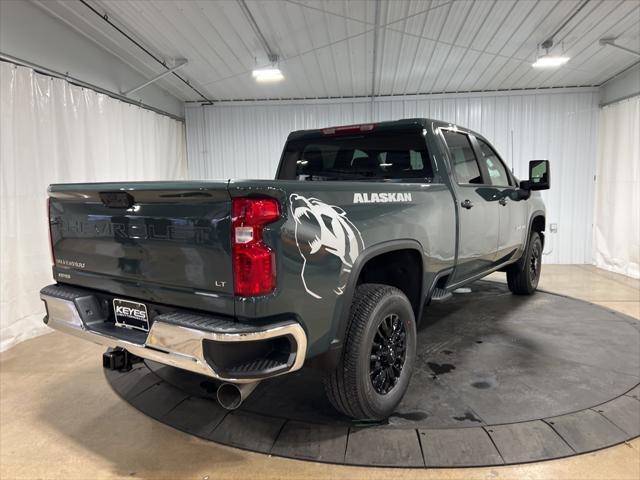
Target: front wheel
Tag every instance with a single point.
(378, 354)
(523, 276)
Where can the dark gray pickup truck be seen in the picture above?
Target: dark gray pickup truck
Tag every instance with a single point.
(330, 265)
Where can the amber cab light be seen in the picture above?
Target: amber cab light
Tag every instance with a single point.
(254, 266)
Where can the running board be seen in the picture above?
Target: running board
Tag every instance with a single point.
(440, 295)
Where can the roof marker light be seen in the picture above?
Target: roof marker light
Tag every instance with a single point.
(348, 129)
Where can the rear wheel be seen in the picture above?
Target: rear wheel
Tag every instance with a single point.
(378, 354)
(523, 276)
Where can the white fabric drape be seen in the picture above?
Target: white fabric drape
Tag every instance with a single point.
(54, 132)
(617, 209)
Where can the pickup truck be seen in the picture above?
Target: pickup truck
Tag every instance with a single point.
(330, 265)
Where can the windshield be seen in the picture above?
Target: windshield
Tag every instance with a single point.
(375, 156)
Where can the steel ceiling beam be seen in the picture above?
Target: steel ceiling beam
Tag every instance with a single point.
(271, 55)
(376, 30)
(612, 42)
(105, 17)
(181, 63)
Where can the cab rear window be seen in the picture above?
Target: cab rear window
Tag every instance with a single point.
(375, 156)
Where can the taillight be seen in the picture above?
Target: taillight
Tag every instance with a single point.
(254, 266)
(53, 257)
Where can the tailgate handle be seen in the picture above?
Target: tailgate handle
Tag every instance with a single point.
(116, 199)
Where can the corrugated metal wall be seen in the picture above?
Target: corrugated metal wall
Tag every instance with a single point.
(244, 140)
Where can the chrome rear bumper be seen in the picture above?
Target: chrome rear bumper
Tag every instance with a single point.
(175, 345)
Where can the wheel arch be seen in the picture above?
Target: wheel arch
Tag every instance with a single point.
(537, 223)
(401, 268)
(377, 253)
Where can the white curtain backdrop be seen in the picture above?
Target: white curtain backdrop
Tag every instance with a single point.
(617, 206)
(54, 132)
(244, 140)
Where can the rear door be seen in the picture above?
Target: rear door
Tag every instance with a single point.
(154, 241)
(477, 207)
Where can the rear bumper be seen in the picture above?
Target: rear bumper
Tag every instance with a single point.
(193, 342)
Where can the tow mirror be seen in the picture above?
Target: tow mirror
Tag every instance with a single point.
(539, 175)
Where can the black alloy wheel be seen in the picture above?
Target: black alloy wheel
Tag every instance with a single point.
(524, 275)
(535, 261)
(388, 353)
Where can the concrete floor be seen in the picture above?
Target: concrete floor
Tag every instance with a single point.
(60, 419)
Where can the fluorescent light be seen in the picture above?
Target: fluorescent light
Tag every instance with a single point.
(547, 61)
(271, 74)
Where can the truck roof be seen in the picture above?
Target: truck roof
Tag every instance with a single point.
(403, 124)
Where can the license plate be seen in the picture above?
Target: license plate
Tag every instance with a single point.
(130, 314)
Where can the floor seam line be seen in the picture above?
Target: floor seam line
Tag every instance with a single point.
(178, 404)
(546, 422)
(286, 420)
(215, 427)
(346, 445)
(610, 421)
(147, 388)
(424, 461)
(494, 444)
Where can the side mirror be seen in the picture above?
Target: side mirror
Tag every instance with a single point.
(539, 175)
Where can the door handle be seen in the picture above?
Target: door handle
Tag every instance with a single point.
(502, 201)
(467, 204)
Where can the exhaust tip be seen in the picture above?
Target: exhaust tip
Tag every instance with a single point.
(229, 396)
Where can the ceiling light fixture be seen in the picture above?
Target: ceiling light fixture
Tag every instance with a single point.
(269, 74)
(549, 61)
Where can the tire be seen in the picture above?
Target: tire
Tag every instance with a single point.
(523, 276)
(361, 387)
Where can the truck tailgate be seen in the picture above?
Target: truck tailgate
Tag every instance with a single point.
(163, 240)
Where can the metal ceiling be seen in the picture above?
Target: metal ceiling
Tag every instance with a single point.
(351, 48)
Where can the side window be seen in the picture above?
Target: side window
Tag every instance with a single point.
(465, 165)
(497, 172)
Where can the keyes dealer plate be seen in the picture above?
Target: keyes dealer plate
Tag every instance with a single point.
(130, 314)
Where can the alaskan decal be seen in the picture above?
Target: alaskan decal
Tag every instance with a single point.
(325, 238)
(381, 197)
